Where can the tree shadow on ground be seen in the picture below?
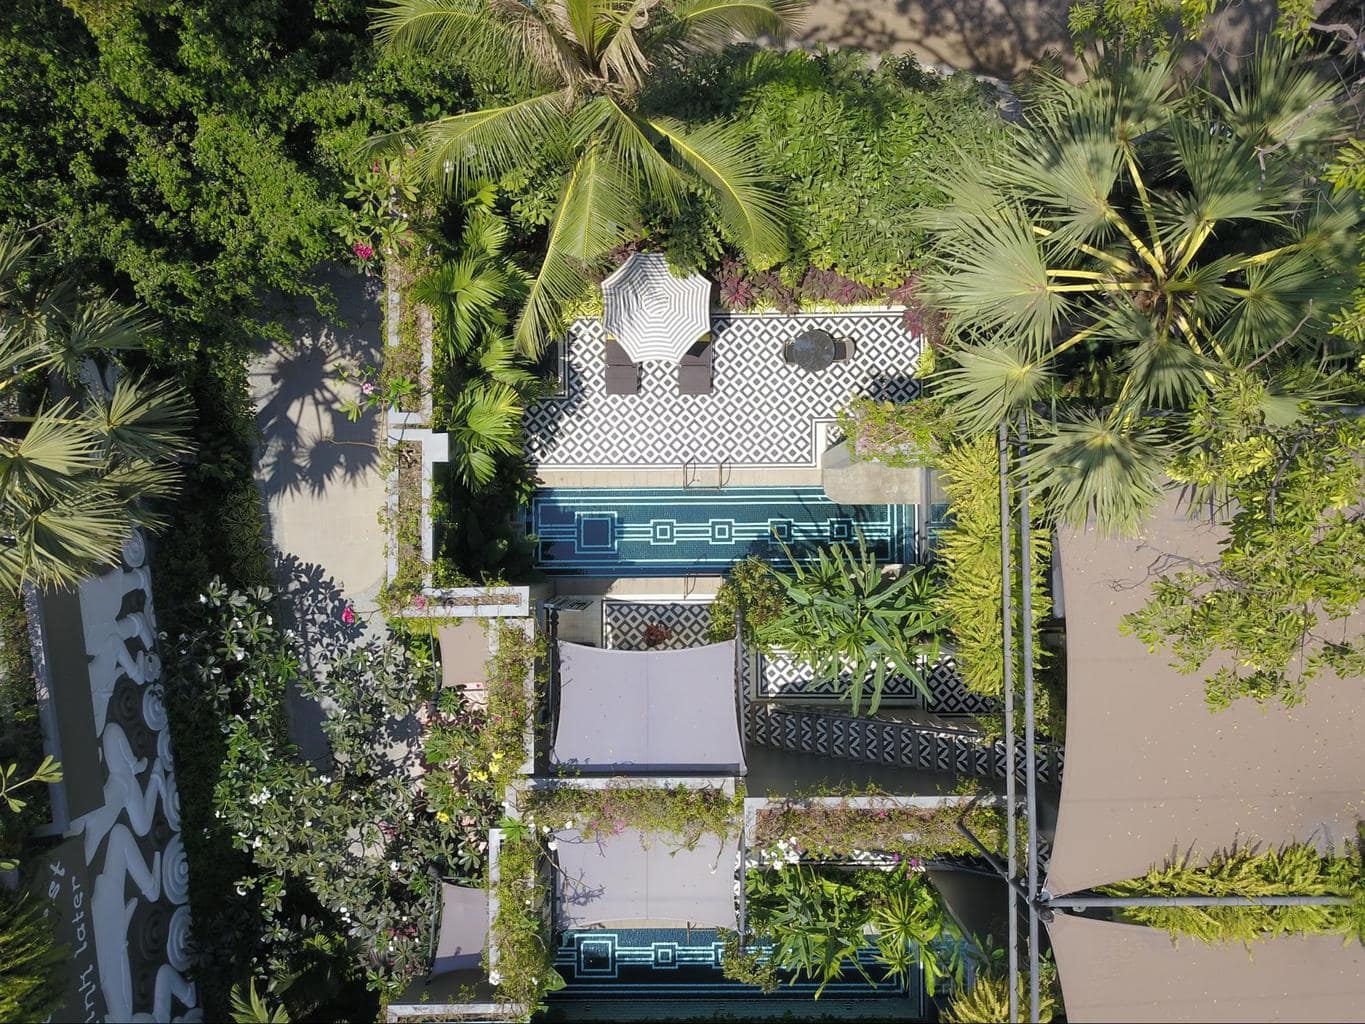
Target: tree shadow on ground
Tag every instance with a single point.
(307, 442)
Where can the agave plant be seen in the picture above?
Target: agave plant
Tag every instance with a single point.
(76, 473)
(1143, 240)
(583, 68)
(855, 625)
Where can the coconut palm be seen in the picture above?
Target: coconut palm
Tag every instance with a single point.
(586, 66)
(79, 469)
(1141, 241)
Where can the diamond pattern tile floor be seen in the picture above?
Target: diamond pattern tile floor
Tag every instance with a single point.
(762, 413)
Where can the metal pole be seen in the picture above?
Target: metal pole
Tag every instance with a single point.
(1007, 641)
(1030, 780)
(1086, 902)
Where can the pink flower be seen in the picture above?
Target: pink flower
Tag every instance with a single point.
(419, 601)
(362, 250)
(367, 388)
(348, 615)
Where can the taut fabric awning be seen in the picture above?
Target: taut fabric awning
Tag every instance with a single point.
(645, 880)
(1125, 972)
(1150, 770)
(641, 711)
(652, 313)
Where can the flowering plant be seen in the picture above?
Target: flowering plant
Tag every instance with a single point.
(374, 390)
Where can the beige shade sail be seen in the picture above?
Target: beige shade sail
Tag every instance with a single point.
(651, 312)
(1150, 770)
(1125, 972)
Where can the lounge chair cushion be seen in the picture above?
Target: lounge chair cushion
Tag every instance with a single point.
(623, 380)
(694, 380)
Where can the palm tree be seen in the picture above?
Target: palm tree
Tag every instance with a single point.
(79, 461)
(854, 624)
(1142, 242)
(587, 65)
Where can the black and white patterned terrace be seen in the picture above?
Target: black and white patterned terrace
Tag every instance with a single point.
(762, 413)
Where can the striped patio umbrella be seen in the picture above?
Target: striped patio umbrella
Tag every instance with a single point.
(652, 313)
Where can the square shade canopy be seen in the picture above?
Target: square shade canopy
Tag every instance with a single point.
(644, 880)
(648, 711)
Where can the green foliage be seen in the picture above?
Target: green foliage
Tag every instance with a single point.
(77, 473)
(21, 734)
(834, 830)
(814, 921)
(1293, 562)
(474, 754)
(33, 975)
(854, 624)
(969, 553)
(1147, 24)
(573, 116)
(1142, 239)
(1298, 869)
(198, 152)
(250, 1007)
(858, 149)
(338, 852)
(687, 814)
(520, 929)
(752, 582)
(987, 999)
(895, 433)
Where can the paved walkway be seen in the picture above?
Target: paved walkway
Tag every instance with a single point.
(318, 472)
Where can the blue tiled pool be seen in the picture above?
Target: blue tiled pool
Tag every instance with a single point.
(679, 532)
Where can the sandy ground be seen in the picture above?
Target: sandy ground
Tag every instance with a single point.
(999, 38)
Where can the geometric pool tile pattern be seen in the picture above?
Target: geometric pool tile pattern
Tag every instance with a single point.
(761, 414)
(675, 531)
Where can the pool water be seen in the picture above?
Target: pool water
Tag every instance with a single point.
(679, 532)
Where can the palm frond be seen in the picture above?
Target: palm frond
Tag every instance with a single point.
(1163, 370)
(598, 210)
(623, 57)
(1089, 468)
(16, 255)
(720, 157)
(498, 360)
(990, 384)
(56, 450)
(992, 277)
(142, 421)
(466, 27)
(633, 145)
(560, 277)
(490, 142)
(486, 422)
(96, 326)
(20, 351)
(1278, 297)
(57, 543)
(1279, 100)
(466, 293)
(713, 24)
(1073, 172)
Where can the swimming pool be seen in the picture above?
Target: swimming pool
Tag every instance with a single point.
(679, 532)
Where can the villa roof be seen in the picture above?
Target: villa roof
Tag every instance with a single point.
(1125, 972)
(653, 313)
(1150, 770)
(644, 880)
(648, 711)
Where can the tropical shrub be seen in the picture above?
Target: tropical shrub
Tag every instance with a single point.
(685, 814)
(986, 999)
(578, 77)
(895, 433)
(968, 552)
(857, 150)
(1296, 868)
(814, 921)
(839, 830)
(1293, 561)
(855, 624)
(339, 848)
(752, 582)
(33, 975)
(1142, 239)
(81, 469)
(520, 928)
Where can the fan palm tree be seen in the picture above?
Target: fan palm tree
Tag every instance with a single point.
(587, 65)
(1142, 241)
(78, 472)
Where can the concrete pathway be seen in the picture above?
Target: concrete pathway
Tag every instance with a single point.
(319, 473)
(320, 480)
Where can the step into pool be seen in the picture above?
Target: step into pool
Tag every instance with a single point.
(601, 531)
